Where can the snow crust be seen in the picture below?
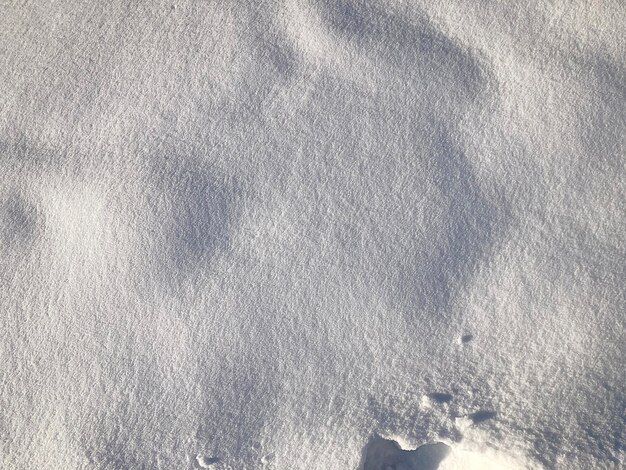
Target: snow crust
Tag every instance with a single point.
(240, 235)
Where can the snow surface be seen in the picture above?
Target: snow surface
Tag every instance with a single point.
(312, 234)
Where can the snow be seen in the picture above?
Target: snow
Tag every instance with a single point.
(312, 234)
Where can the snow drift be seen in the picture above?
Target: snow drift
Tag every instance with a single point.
(312, 234)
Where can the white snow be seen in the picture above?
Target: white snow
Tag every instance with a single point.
(312, 234)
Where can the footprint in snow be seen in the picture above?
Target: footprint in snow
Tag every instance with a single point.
(482, 415)
(466, 338)
(206, 461)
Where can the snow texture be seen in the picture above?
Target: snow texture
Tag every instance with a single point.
(312, 234)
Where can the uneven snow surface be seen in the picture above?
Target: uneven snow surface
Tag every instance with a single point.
(312, 234)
